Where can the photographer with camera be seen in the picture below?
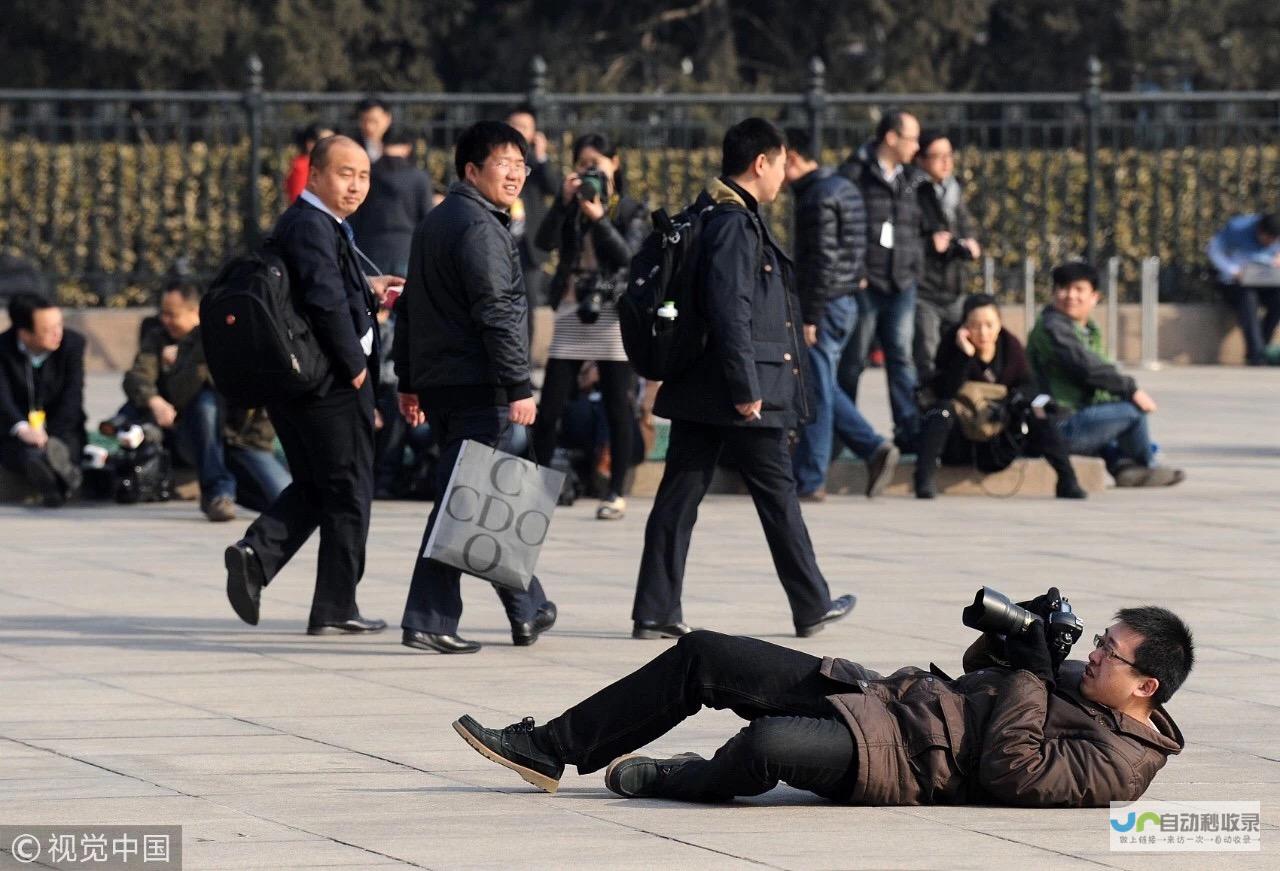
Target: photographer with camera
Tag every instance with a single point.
(981, 380)
(596, 229)
(1023, 728)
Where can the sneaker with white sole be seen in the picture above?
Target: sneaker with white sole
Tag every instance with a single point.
(612, 508)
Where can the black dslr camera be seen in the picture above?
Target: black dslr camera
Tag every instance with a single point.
(594, 290)
(594, 184)
(992, 612)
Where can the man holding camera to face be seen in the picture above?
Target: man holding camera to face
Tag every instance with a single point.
(1021, 727)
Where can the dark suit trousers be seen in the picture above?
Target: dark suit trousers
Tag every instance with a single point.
(795, 734)
(435, 595)
(328, 441)
(760, 453)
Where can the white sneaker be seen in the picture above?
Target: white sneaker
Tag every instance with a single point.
(614, 508)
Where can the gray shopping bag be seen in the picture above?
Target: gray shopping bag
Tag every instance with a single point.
(494, 515)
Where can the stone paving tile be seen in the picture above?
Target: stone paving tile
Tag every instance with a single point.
(130, 694)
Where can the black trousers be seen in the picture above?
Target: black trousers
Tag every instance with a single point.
(53, 470)
(328, 441)
(762, 458)
(435, 595)
(617, 390)
(795, 735)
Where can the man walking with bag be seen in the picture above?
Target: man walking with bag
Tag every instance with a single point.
(742, 394)
(328, 433)
(462, 350)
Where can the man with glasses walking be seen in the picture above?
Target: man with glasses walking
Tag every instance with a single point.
(461, 352)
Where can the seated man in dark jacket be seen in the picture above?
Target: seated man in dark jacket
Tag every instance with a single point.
(169, 385)
(42, 398)
(1017, 728)
(1107, 412)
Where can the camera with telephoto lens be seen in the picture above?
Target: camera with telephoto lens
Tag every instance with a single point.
(594, 184)
(992, 612)
(594, 291)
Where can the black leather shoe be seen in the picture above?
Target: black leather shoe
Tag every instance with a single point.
(636, 776)
(514, 748)
(438, 643)
(839, 609)
(648, 629)
(354, 626)
(244, 581)
(524, 634)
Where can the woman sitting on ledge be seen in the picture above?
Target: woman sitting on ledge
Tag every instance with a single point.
(980, 350)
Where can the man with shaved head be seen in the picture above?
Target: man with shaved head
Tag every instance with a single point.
(328, 434)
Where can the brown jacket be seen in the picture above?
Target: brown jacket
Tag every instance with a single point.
(182, 382)
(993, 736)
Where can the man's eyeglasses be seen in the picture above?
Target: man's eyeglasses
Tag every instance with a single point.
(519, 166)
(1100, 643)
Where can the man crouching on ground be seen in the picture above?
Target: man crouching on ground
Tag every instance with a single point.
(1027, 734)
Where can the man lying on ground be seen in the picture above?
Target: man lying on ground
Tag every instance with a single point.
(1031, 733)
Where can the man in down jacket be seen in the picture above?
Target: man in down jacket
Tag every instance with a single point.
(1017, 728)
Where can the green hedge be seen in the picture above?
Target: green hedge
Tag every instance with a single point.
(106, 215)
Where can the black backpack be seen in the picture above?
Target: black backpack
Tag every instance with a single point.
(664, 270)
(259, 346)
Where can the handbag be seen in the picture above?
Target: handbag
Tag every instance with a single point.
(980, 408)
(494, 515)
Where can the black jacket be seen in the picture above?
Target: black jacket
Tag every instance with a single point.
(943, 280)
(753, 346)
(462, 324)
(58, 386)
(889, 270)
(330, 287)
(399, 198)
(952, 367)
(831, 240)
(616, 237)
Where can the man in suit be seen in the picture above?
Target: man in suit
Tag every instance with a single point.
(743, 394)
(328, 434)
(462, 356)
(42, 398)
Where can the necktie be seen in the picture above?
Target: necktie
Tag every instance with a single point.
(350, 234)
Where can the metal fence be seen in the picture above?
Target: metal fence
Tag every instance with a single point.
(106, 191)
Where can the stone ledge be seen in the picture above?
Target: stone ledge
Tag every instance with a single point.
(1026, 477)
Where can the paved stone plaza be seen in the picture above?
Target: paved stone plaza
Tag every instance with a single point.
(130, 693)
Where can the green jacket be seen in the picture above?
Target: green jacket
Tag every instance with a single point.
(1070, 364)
(183, 381)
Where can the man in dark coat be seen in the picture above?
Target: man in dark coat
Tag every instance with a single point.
(950, 248)
(328, 434)
(530, 210)
(1018, 728)
(743, 394)
(42, 398)
(462, 356)
(399, 198)
(830, 246)
(883, 172)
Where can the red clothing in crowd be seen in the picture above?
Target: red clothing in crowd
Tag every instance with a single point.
(297, 178)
